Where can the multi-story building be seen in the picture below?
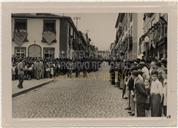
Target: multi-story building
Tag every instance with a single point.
(126, 36)
(70, 38)
(46, 36)
(35, 35)
(153, 42)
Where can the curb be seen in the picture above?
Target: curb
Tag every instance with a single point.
(29, 89)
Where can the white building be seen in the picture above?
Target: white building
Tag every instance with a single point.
(35, 35)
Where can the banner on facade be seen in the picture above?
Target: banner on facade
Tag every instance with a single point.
(49, 37)
(20, 37)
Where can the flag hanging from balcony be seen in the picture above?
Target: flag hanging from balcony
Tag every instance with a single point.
(49, 37)
(20, 37)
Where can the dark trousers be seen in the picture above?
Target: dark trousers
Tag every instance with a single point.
(155, 105)
(124, 90)
(77, 73)
(165, 110)
(118, 78)
(21, 78)
(129, 106)
(13, 77)
(113, 78)
(141, 109)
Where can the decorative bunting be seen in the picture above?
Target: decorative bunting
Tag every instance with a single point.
(20, 37)
(49, 37)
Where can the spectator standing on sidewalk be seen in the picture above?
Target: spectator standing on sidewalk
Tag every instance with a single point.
(20, 68)
(47, 70)
(147, 105)
(153, 66)
(145, 71)
(131, 104)
(41, 69)
(156, 92)
(51, 70)
(35, 69)
(165, 97)
(140, 94)
(112, 72)
(13, 71)
(124, 92)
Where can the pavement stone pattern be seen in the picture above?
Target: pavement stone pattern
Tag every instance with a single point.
(72, 99)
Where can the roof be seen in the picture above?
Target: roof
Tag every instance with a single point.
(35, 15)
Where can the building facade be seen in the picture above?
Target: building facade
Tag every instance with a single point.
(104, 54)
(126, 36)
(35, 35)
(47, 36)
(153, 42)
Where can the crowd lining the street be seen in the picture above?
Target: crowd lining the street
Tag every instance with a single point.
(144, 85)
(37, 68)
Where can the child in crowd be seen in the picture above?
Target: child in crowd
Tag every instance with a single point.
(156, 92)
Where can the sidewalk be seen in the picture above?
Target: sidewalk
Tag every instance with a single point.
(28, 85)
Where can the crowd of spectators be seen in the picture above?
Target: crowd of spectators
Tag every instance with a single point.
(144, 85)
(38, 68)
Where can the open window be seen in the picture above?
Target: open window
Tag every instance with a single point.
(49, 26)
(20, 25)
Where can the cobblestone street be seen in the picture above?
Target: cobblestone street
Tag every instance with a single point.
(89, 98)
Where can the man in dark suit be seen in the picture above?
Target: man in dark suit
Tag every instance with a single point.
(140, 94)
(131, 105)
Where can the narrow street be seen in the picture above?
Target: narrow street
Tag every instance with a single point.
(92, 97)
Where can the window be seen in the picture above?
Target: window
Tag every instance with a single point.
(48, 52)
(49, 26)
(20, 25)
(20, 52)
(49, 31)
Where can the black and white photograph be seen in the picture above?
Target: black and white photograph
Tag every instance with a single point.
(89, 65)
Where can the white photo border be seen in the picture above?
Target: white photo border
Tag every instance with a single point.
(90, 7)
